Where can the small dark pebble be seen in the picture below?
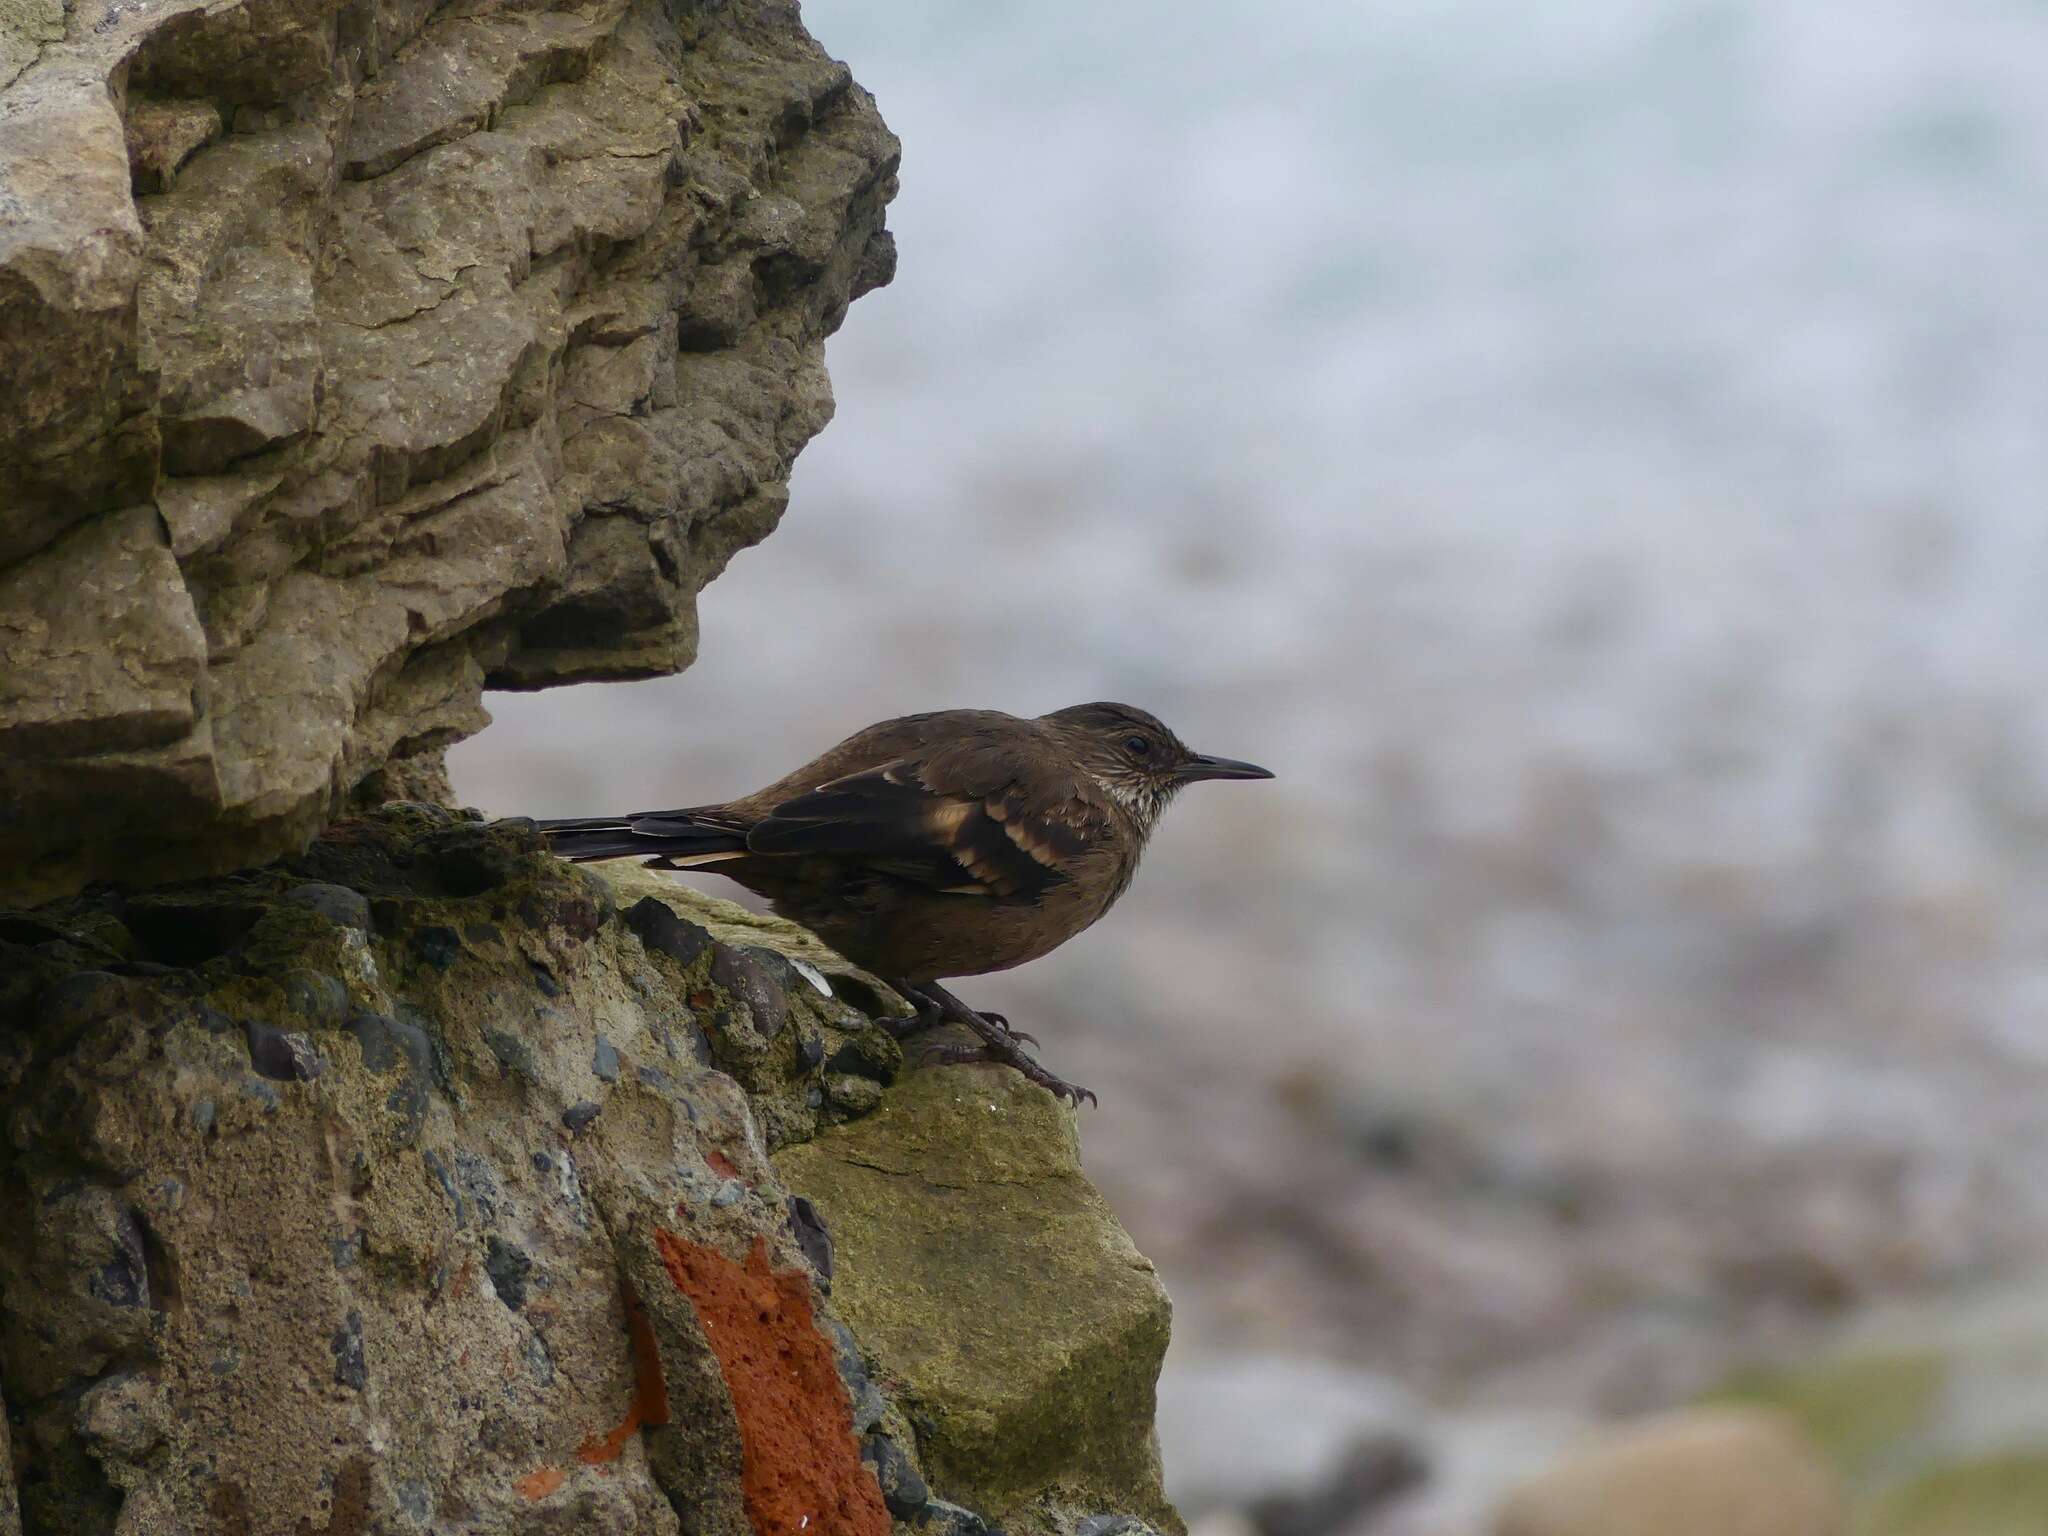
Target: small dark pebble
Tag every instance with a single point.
(479, 1181)
(350, 1368)
(604, 1061)
(808, 1227)
(419, 1037)
(123, 1281)
(213, 1021)
(539, 1361)
(781, 973)
(348, 1251)
(654, 1077)
(744, 974)
(542, 1163)
(284, 1056)
(577, 1116)
(810, 1050)
(439, 1170)
(437, 945)
(337, 903)
(508, 1266)
(515, 1056)
(408, 1101)
(902, 1489)
(545, 980)
(861, 1392)
(687, 1041)
(375, 1039)
(662, 931)
(415, 1043)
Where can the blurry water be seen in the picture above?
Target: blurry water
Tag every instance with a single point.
(1595, 452)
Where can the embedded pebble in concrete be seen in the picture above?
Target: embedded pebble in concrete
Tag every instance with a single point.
(493, 1263)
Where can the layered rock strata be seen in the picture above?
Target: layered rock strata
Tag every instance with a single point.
(357, 355)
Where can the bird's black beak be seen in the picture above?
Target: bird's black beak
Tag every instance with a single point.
(1199, 767)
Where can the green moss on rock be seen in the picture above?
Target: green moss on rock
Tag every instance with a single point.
(401, 1118)
(1000, 1299)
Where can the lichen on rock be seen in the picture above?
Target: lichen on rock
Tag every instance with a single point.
(427, 1181)
(355, 356)
(1023, 1330)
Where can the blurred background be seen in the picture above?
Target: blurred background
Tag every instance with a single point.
(1594, 453)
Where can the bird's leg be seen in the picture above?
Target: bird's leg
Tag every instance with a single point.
(999, 1044)
(902, 1026)
(931, 1013)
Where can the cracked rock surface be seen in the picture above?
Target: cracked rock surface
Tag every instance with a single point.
(356, 355)
(425, 1182)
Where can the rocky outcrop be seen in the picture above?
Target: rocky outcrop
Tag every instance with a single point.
(356, 354)
(1043, 1351)
(426, 1182)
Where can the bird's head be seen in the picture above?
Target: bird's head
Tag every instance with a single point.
(1138, 762)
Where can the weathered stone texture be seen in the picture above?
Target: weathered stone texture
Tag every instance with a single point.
(426, 1182)
(355, 354)
(1029, 1372)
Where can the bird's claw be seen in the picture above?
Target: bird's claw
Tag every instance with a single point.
(1015, 1034)
(1000, 1043)
(1017, 1061)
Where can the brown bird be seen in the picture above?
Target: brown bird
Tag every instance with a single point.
(939, 845)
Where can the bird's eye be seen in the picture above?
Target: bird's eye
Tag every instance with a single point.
(1137, 746)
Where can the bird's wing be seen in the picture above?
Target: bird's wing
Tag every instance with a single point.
(705, 835)
(954, 821)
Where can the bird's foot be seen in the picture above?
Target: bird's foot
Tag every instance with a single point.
(931, 1013)
(999, 1043)
(1015, 1034)
(948, 1055)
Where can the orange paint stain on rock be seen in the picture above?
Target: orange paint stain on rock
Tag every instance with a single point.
(538, 1485)
(801, 1472)
(650, 1389)
(722, 1165)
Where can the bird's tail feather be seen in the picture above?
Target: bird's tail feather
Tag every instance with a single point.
(671, 838)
